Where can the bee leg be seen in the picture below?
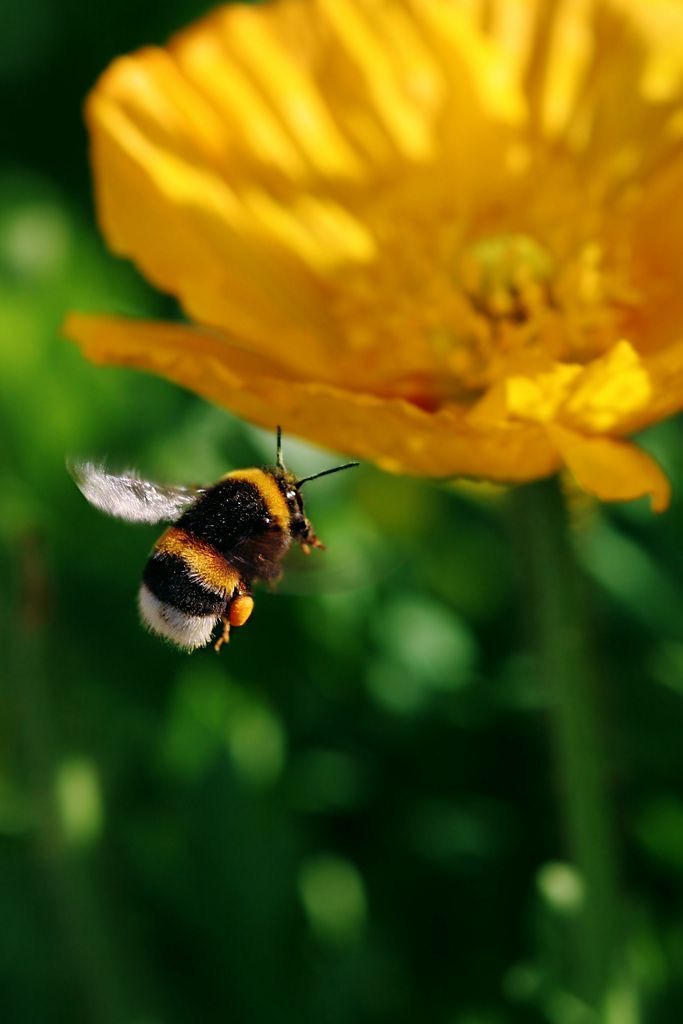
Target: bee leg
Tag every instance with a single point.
(224, 638)
(308, 539)
(309, 544)
(273, 576)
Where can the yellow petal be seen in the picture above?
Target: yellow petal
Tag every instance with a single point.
(618, 393)
(193, 237)
(264, 50)
(362, 38)
(538, 398)
(609, 392)
(611, 470)
(665, 369)
(657, 232)
(123, 341)
(391, 432)
(624, 392)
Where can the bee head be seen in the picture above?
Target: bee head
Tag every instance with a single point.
(291, 487)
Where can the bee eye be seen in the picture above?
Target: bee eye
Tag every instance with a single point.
(291, 494)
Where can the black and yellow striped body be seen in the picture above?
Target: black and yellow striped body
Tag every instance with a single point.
(223, 538)
(236, 532)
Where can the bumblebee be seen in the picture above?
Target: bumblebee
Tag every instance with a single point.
(200, 574)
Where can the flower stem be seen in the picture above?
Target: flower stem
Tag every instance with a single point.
(567, 671)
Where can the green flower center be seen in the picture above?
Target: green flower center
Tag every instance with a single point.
(507, 277)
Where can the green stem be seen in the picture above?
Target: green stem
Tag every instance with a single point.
(568, 674)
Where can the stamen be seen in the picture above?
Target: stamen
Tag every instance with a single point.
(440, 316)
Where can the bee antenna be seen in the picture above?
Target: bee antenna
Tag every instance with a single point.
(278, 457)
(326, 472)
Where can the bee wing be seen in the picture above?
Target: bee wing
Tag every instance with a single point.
(334, 572)
(317, 573)
(128, 496)
(258, 554)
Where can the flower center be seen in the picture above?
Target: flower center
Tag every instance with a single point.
(507, 277)
(441, 315)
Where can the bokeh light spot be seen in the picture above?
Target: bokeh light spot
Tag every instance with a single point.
(427, 640)
(425, 650)
(561, 886)
(256, 741)
(34, 239)
(333, 896)
(79, 800)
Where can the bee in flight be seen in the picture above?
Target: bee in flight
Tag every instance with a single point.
(223, 538)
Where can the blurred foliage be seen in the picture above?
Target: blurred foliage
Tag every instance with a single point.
(350, 814)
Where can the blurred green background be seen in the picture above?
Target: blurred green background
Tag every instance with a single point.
(350, 815)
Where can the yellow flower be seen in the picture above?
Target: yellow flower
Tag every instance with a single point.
(445, 236)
